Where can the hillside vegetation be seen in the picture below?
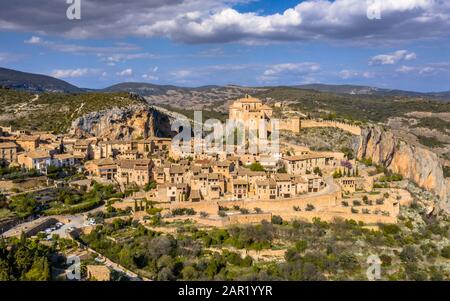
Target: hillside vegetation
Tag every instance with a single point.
(55, 111)
(353, 107)
(34, 82)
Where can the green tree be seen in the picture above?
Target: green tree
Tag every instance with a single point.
(256, 166)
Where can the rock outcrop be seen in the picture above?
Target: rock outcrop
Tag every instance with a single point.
(415, 163)
(133, 122)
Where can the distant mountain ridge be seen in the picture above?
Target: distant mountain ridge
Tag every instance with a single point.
(148, 89)
(368, 90)
(30, 82)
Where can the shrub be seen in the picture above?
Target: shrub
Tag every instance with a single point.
(348, 262)
(445, 252)
(257, 210)
(183, 211)
(355, 211)
(357, 203)
(277, 220)
(379, 201)
(390, 228)
(244, 211)
(386, 260)
(256, 166)
(301, 246)
(309, 207)
(410, 254)
(150, 186)
(344, 203)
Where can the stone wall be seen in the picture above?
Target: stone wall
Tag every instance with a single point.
(33, 227)
(319, 202)
(291, 124)
(332, 216)
(210, 207)
(248, 218)
(352, 129)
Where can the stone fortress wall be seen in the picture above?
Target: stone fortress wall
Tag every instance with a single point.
(327, 208)
(310, 123)
(291, 125)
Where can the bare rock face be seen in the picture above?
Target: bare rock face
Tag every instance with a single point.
(132, 122)
(415, 163)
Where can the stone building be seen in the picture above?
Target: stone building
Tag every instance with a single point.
(249, 111)
(137, 172)
(104, 169)
(303, 164)
(266, 190)
(38, 160)
(8, 153)
(28, 143)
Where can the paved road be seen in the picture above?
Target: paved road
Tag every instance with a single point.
(76, 221)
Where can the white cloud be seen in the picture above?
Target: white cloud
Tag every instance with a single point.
(422, 70)
(80, 49)
(346, 74)
(215, 21)
(299, 68)
(150, 77)
(405, 69)
(33, 40)
(70, 73)
(207, 71)
(296, 71)
(126, 72)
(182, 73)
(9, 57)
(368, 74)
(123, 57)
(392, 58)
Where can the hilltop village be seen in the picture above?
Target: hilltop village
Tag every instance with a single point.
(113, 202)
(215, 188)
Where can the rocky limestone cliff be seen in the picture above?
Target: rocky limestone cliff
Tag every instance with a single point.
(137, 121)
(415, 163)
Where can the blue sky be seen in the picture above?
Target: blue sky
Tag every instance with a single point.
(244, 42)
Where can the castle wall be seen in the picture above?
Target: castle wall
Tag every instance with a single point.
(291, 124)
(353, 129)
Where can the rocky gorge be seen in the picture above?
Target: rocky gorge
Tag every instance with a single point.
(412, 162)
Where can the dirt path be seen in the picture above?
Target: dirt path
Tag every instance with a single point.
(25, 104)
